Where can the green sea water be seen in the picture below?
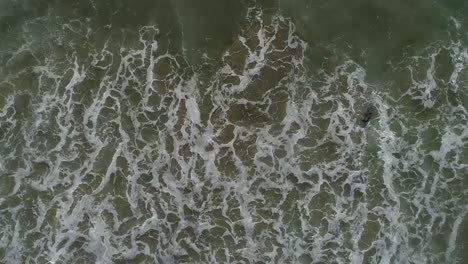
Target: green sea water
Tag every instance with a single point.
(216, 131)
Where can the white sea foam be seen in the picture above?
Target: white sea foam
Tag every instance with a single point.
(129, 155)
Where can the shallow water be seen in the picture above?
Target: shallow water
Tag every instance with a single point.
(232, 132)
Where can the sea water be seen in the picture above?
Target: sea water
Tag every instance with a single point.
(180, 131)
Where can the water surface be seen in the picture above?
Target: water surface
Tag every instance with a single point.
(182, 131)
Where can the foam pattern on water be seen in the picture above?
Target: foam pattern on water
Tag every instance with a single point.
(128, 154)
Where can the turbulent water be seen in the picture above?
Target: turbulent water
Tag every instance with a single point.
(181, 131)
